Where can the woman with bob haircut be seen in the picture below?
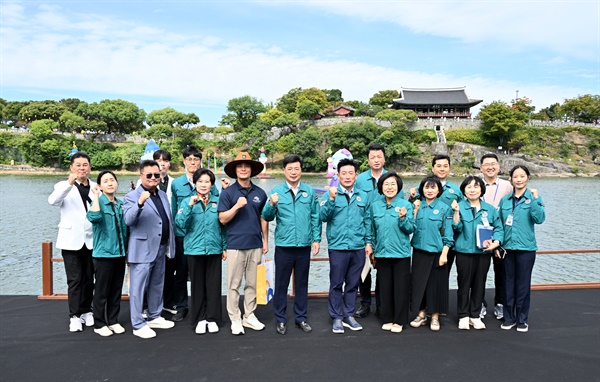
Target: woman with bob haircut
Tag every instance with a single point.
(204, 245)
(432, 239)
(519, 212)
(109, 253)
(393, 222)
(473, 218)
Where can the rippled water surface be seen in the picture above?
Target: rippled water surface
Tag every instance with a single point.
(27, 220)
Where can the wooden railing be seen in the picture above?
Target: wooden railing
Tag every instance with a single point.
(48, 276)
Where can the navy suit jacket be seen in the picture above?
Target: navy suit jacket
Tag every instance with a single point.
(145, 227)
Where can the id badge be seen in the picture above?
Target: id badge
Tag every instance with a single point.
(509, 220)
(485, 221)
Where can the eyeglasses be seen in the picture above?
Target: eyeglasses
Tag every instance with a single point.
(192, 160)
(486, 165)
(156, 175)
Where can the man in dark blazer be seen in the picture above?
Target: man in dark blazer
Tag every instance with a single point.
(151, 239)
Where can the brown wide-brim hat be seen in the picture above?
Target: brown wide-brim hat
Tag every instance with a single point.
(243, 157)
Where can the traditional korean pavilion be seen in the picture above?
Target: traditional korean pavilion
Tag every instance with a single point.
(436, 103)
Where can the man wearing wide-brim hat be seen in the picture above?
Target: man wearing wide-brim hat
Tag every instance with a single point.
(240, 207)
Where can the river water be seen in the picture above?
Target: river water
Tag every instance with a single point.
(27, 220)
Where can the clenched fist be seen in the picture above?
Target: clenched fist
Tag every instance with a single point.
(274, 199)
(143, 197)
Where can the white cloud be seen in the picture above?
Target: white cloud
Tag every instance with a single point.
(91, 53)
(569, 27)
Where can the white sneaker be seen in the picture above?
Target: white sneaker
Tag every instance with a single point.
(145, 332)
(213, 327)
(161, 323)
(476, 323)
(117, 329)
(87, 319)
(387, 326)
(483, 311)
(145, 314)
(172, 310)
(252, 322)
(104, 331)
(201, 327)
(75, 324)
(463, 323)
(237, 328)
(396, 328)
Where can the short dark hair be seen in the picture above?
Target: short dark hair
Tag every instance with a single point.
(384, 177)
(468, 181)
(102, 173)
(148, 163)
(489, 155)
(431, 180)
(80, 154)
(347, 162)
(519, 166)
(375, 147)
(191, 150)
(203, 171)
(440, 157)
(164, 154)
(292, 159)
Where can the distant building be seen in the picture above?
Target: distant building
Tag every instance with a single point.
(436, 103)
(344, 111)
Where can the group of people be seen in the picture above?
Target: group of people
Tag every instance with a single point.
(168, 229)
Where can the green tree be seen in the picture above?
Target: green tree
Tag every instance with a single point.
(397, 117)
(42, 129)
(364, 109)
(185, 137)
(243, 112)
(354, 136)
(72, 122)
(384, 98)
(290, 119)
(254, 137)
(314, 95)
(333, 95)
(271, 115)
(70, 103)
(159, 132)
(307, 110)
(585, 108)
(523, 105)
(172, 117)
(11, 111)
(287, 103)
(42, 110)
(119, 116)
(500, 121)
(550, 113)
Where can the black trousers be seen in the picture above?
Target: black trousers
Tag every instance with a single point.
(180, 289)
(394, 285)
(79, 268)
(472, 271)
(205, 274)
(110, 273)
(288, 259)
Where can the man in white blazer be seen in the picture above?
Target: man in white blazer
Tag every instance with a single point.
(73, 196)
(151, 239)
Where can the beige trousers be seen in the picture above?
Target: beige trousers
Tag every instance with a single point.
(241, 263)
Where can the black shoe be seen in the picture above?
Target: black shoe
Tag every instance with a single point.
(363, 311)
(281, 328)
(180, 315)
(304, 326)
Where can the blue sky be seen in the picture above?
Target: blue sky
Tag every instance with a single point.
(194, 56)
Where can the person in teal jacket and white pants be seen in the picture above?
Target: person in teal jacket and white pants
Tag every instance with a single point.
(110, 238)
(392, 222)
(204, 246)
(519, 213)
(472, 257)
(297, 234)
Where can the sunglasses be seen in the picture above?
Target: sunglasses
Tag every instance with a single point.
(156, 175)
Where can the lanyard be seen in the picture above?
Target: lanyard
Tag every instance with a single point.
(515, 204)
(495, 193)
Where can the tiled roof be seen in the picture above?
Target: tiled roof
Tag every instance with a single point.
(449, 96)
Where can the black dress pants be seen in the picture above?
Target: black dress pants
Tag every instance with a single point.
(472, 271)
(110, 272)
(79, 268)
